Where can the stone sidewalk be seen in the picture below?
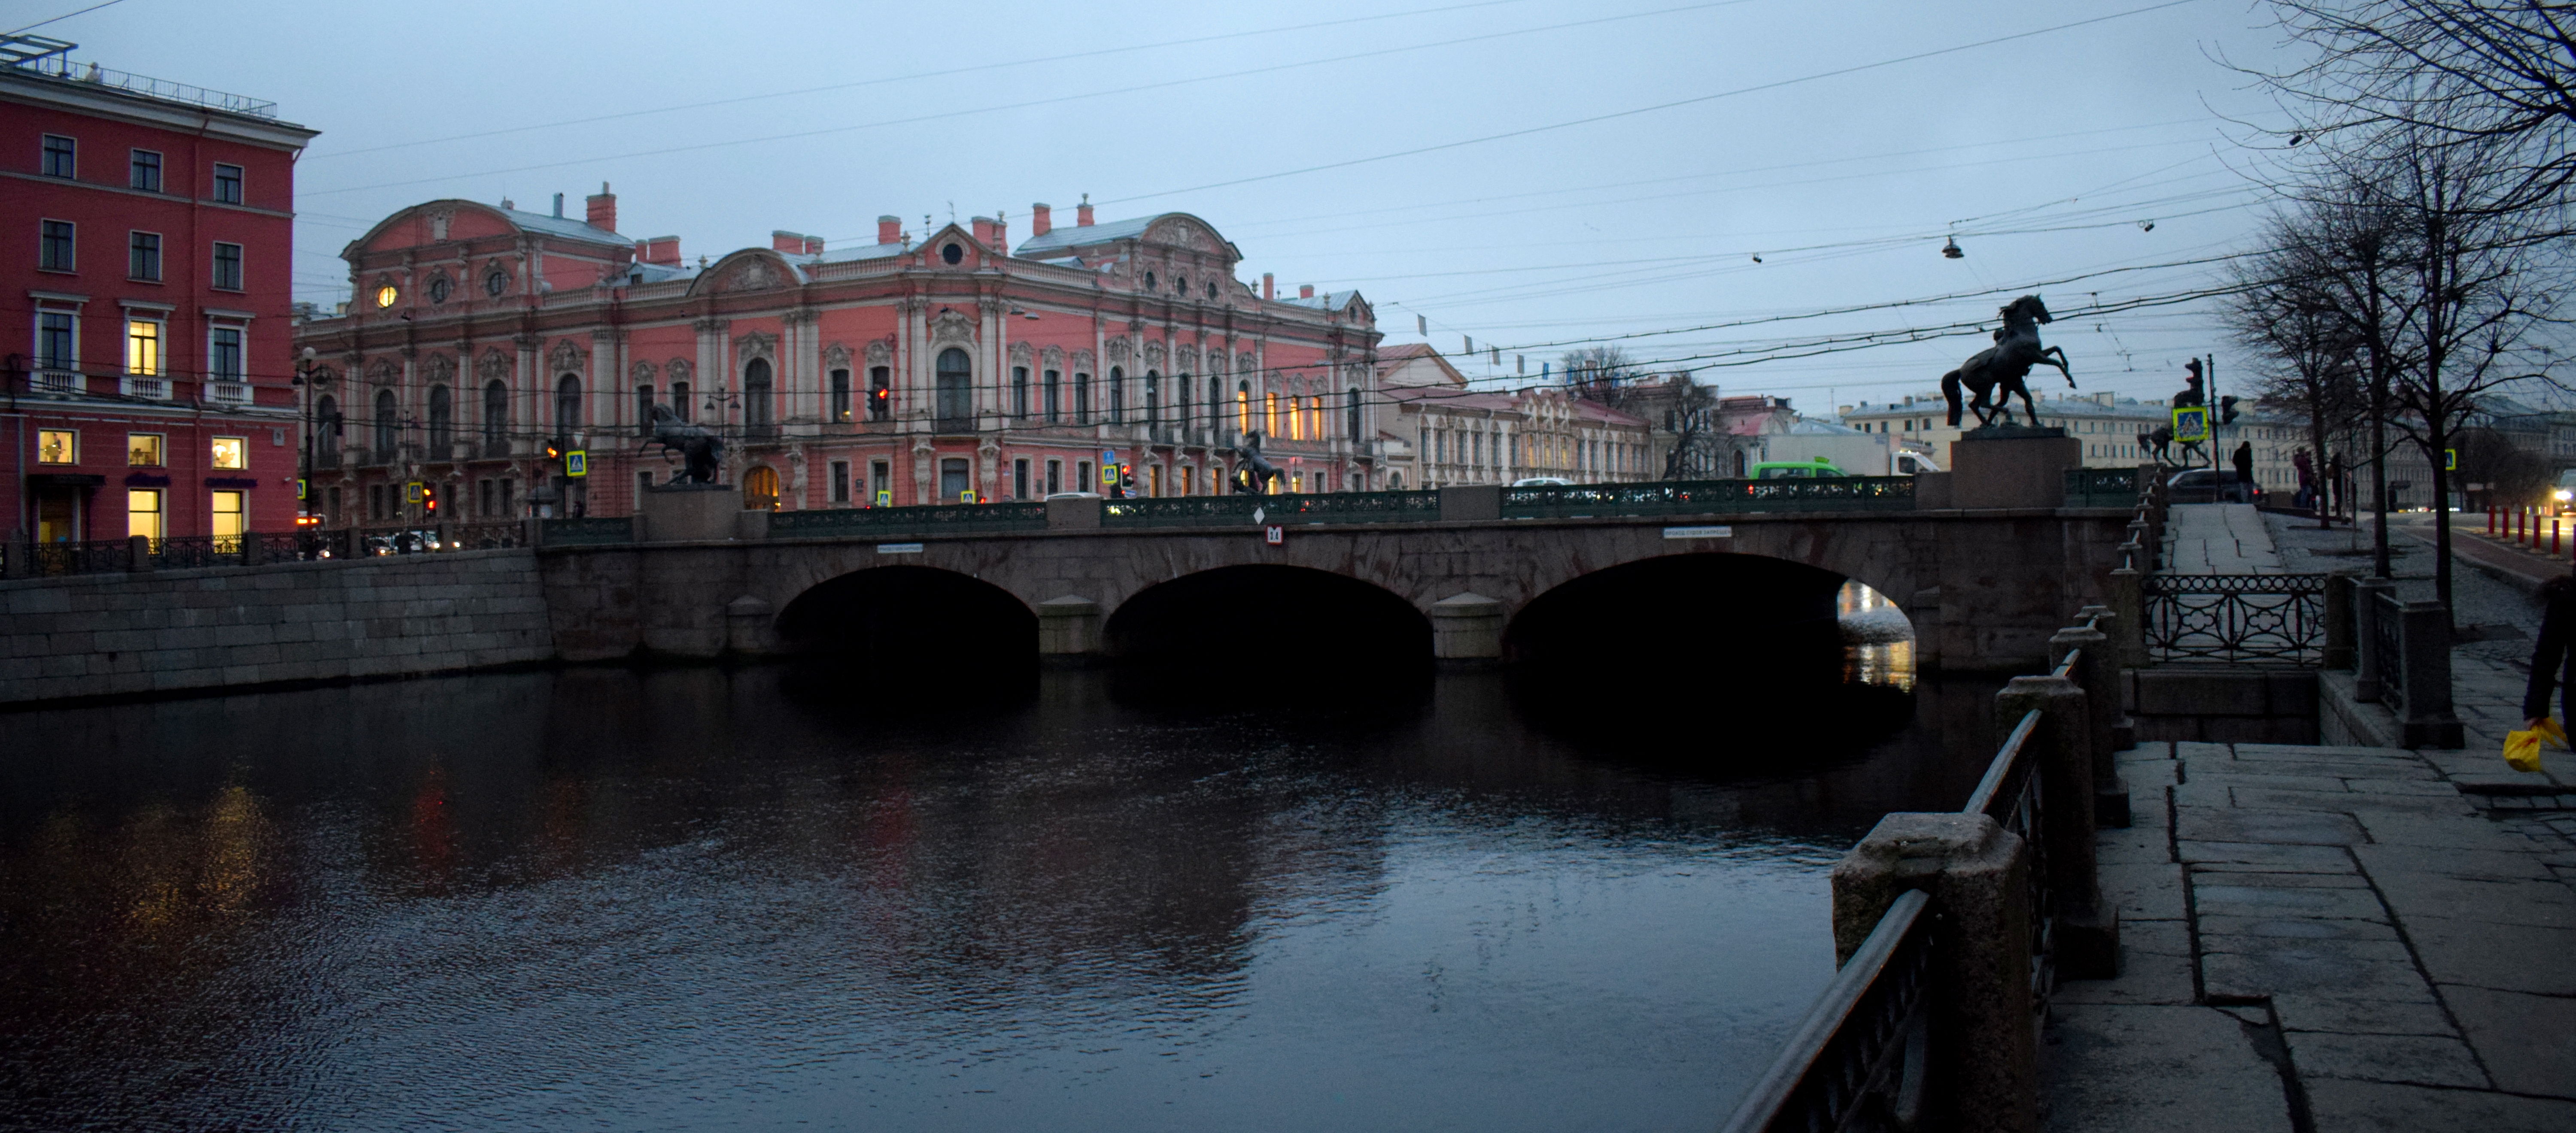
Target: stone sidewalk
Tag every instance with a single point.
(2218, 539)
(2328, 939)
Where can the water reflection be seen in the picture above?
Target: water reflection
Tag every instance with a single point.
(692, 897)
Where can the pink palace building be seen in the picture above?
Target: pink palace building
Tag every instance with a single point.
(941, 367)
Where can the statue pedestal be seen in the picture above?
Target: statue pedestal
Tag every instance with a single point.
(686, 513)
(2012, 466)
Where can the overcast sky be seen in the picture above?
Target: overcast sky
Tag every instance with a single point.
(826, 115)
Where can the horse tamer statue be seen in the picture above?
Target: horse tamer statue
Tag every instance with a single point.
(2004, 365)
(696, 444)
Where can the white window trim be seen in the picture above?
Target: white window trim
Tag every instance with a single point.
(41, 222)
(241, 260)
(234, 390)
(154, 387)
(161, 165)
(71, 368)
(160, 256)
(74, 175)
(241, 178)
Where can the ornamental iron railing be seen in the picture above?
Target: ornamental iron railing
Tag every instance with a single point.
(588, 531)
(2388, 647)
(877, 522)
(2235, 617)
(1249, 510)
(1858, 1060)
(1705, 497)
(2101, 487)
(183, 552)
(100, 556)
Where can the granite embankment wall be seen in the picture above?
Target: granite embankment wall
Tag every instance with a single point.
(169, 631)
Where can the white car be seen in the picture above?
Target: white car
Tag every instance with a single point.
(1542, 482)
(1075, 496)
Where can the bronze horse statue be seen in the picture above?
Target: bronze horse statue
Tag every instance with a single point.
(1255, 474)
(695, 443)
(2004, 365)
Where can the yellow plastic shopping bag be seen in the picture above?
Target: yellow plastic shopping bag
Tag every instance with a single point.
(2551, 734)
(2522, 749)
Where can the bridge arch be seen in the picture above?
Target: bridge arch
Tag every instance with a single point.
(1280, 610)
(1745, 616)
(911, 614)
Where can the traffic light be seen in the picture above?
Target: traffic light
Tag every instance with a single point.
(429, 500)
(554, 450)
(878, 399)
(2227, 411)
(1126, 480)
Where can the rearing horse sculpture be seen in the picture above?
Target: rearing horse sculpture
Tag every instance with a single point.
(2005, 364)
(695, 443)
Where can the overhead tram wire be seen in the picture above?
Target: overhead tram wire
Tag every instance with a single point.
(1633, 112)
(917, 75)
(64, 16)
(1052, 100)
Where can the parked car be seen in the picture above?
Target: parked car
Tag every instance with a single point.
(1797, 469)
(1542, 482)
(1075, 496)
(2212, 485)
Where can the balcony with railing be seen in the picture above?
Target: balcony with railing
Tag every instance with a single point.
(61, 67)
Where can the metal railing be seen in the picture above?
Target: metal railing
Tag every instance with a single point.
(877, 522)
(1246, 510)
(2388, 647)
(61, 67)
(2101, 487)
(2235, 617)
(587, 531)
(1866, 1042)
(182, 552)
(1704, 497)
(100, 556)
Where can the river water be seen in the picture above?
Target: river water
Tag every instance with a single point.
(609, 898)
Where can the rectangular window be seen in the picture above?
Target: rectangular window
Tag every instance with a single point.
(228, 267)
(143, 513)
(61, 156)
(1020, 392)
(1154, 480)
(840, 395)
(228, 183)
(232, 453)
(880, 393)
(1189, 480)
(1082, 477)
(375, 502)
(228, 517)
(143, 357)
(224, 354)
(54, 249)
(952, 482)
(1055, 476)
(57, 340)
(143, 256)
(143, 450)
(57, 446)
(1054, 384)
(880, 484)
(145, 171)
(841, 471)
(1020, 478)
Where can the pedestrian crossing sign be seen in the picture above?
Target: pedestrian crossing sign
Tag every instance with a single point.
(577, 462)
(2450, 460)
(2191, 423)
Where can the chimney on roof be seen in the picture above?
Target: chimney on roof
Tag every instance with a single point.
(662, 250)
(787, 241)
(889, 230)
(984, 234)
(558, 206)
(1041, 220)
(1082, 212)
(1268, 289)
(507, 205)
(813, 245)
(1305, 291)
(603, 209)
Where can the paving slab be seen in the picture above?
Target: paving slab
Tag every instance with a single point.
(2142, 891)
(2319, 859)
(2297, 928)
(2241, 824)
(2509, 957)
(2415, 1060)
(2343, 1014)
(2548, 904)
(2379, 1107)
(2455, 861)
(2254, 975)
(2112, 1069)
(2355, 802)
(2145, 978)
(2524, 1039)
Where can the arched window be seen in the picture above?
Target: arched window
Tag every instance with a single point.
(1153, 398)
(680, 405)
(1117, 405)
(567, 403)
(1243, 407)
(760, 488)
(442, 423)
(496, 416)
(644, 410)
(1054, 396)
(388, 426)
(1351, 413)
(758, 411)
(956, 378)
(1081, 399)
(1181, 409)
(1216, 407)
(326, 427)
(1270, 414)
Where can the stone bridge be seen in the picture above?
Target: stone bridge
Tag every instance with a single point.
(1983, 587)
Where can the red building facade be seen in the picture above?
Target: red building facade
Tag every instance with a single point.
(941, 367)
(147, 343)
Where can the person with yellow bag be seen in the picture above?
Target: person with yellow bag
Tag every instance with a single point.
(2552, 663)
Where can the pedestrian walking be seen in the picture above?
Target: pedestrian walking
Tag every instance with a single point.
(2552, 662)
(2245, 469)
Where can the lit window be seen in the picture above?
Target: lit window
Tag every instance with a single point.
(143, 450)
(1270, 415)
(228, 184)
(61, 155)
(54, 251)
(386, 295)
(57, 446)
(145, 171)
(143, 256)
(231, 453)
(228, 515)
(228, 267)
(143, 513)
(143, 347)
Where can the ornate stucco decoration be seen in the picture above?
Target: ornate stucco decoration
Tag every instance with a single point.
(881, 352)
(1154, 354)
(679, 369)
(1184, 234)
(495, 366)
(757, 344)
(438, 224)
(952, 327)
(384, 372)
(1120, 350)
(442, 369)
(1216, 361)
(1082, 361)
(1244, 363)
(1186, 359)
(564, 357)
(643, 373)
(836, 357)
(1053, 357)
(754, 275)
(1022, 355)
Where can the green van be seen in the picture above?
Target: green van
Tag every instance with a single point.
(1803, 469)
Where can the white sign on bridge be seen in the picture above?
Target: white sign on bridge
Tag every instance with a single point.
(898, 548)
(1699, 533)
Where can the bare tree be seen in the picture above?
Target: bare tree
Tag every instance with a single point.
(2495, 77)
(1603, 374)
(2302, 348)
(1690, 415)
